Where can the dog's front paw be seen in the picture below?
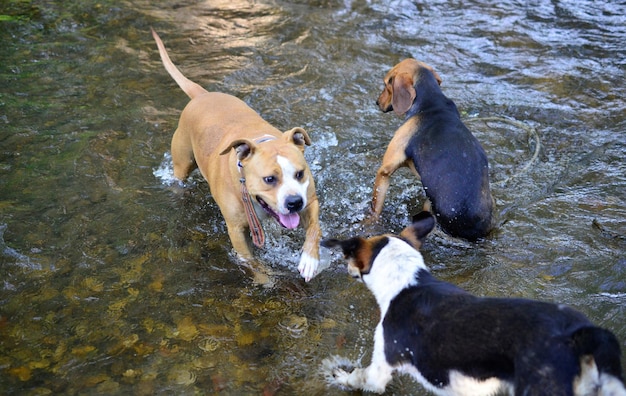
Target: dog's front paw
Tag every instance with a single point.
(308, 266)
(261, 274)
(336, 371)
(340, 377)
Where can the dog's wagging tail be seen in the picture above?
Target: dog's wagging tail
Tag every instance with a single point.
(254, 170)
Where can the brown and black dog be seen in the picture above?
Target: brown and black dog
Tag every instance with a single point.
(252, 168)
(435, 144)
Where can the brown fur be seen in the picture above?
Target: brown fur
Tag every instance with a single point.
(217, 131)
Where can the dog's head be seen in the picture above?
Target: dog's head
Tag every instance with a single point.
(362, 254)
(400, 84)
(276, 173)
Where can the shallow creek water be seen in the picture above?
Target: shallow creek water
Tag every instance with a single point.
(115, 281)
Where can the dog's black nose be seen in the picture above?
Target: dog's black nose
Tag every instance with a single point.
(294, 203)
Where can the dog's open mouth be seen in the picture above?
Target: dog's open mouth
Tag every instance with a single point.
(289, 221)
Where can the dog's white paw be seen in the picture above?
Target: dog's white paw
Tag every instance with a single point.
(336, 370)
(308, 266)
(341, 377)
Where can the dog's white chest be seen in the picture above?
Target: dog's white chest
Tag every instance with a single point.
(460, 385)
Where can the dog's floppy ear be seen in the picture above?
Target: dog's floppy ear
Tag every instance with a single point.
(423, 224)
(403, 93)
(243, 147)
(436, 76)
(297, 136)
(349, 246)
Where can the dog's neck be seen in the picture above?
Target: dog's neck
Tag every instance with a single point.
(394, 269)
(426, 89)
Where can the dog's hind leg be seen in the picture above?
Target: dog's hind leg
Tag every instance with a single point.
(182, 155)
(600, 365)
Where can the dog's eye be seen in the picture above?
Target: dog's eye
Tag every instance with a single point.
(270, 179)
(390, 81)
(299, 175)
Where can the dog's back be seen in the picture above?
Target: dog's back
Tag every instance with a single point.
(454, 170)
(434, 141)
(457, 344)
(535, 348)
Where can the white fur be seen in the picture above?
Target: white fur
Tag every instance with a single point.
(332, 363)
(587, 381)
(467, 386)
(393, 269)
(308, 266)
(592, 383)
(610, 386)
(290, 185)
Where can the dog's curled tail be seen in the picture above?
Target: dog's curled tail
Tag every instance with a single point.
(189, 87)
(601, 368)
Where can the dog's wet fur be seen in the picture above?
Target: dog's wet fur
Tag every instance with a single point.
(454, 343)
(233, 147)
(435, 144)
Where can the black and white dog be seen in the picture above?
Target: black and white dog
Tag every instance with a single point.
(454, 343)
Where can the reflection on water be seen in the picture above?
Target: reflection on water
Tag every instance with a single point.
(114, 282)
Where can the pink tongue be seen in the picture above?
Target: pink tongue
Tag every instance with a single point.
(289, 220)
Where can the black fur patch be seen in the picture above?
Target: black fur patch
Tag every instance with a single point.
(376, 249)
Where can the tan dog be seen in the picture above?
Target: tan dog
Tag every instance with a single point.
(435, 144)
(265, 175)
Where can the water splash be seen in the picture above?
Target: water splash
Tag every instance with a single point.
(165, 171)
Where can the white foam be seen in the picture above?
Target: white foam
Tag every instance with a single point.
(613, 295)
(165, 171)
